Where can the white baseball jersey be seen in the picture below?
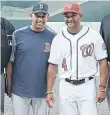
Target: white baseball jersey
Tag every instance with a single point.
(77, 55)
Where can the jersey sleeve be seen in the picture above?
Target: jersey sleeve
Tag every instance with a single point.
(100, 48)
(54, 52)
(12, 57)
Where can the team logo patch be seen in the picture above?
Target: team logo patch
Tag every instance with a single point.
(64, 64)
(87, 49)
(69, 6)
(103, 46)
(47, 47)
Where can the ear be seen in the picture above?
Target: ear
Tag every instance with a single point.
(30, 14)
(47, 15)
(81, 15)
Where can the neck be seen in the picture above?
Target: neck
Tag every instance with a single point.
(75, 30)
(36, 29)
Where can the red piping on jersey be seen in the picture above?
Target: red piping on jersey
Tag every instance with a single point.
(70, 51)
(76, 51)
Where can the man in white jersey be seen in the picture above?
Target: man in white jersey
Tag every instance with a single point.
(75, 53)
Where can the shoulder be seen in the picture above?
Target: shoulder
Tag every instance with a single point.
(7, 25)
(5, 21)
(93, 32)
(106, 17)
(94, 35)
(18, 31)
(58, 38)
(50, 31)
(105, 20)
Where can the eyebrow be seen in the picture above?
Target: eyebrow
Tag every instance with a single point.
(72, 13)
(42, 14)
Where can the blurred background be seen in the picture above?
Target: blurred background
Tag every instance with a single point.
(18, 12)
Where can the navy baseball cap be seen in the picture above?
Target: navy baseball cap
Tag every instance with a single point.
(40, 7)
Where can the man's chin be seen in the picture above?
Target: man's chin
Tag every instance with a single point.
(71, 26)
(39, 27)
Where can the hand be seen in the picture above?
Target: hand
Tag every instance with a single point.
(101, 94)
(50, 100)
(9, 94)
(9, 91)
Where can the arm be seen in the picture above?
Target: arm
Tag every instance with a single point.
(10, 64)
(101, 94)
(52, 70)
(8, 75)
(101, 56)
(51, 76)
(103, 72)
